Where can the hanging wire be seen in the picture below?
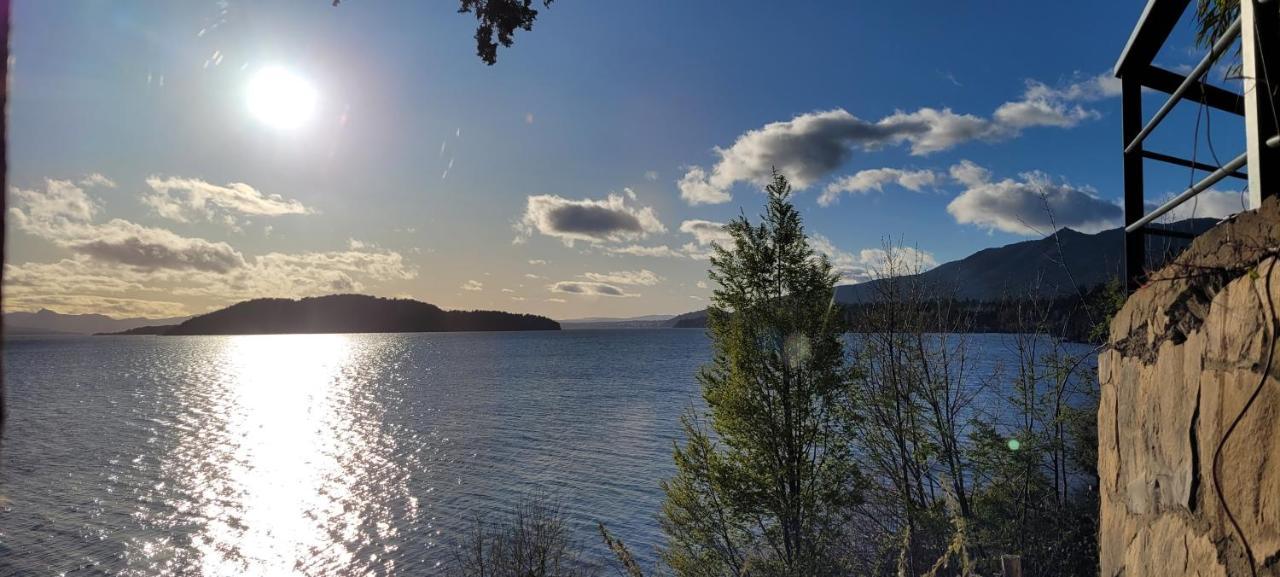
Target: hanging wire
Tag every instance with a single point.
(1269, 338)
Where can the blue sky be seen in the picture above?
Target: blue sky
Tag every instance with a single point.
(424, 173)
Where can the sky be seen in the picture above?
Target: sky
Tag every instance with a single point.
(171, 158)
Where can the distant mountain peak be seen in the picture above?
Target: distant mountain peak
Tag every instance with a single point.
(1054, 265)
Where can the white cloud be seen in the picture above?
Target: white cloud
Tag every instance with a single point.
(97, 180)
(537, 262)
(696, 251)
(706, 232)
(189, 199)
(589, 288)
(642, 250)
(60, 203)
(1212, 203)
(121, 256)
(969, 173)
(1043, 105)
(63, 214)
(1030, 206)
(63, 275)
(696, 188)
(702, 284)
(875, 179)
(473, 285)
(593, 221)
(644, 277)
(651, 175)
(270, 275)
(811, 146)
(869, 263)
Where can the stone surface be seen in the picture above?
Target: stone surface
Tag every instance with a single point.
(1187, 352)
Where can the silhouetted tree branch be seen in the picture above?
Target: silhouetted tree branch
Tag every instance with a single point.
(498, 21)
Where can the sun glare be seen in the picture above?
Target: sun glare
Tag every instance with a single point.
(280, 98)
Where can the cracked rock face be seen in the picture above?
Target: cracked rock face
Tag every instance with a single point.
(1188, 351)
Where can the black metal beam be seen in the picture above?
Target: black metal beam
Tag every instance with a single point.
(1134, 209)
(1157, 21)
(1160, 79)
(1190, 164)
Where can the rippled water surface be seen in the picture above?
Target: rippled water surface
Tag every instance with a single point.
(326, 454)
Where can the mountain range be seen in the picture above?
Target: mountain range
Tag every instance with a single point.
(1064, 264)
(47, 322)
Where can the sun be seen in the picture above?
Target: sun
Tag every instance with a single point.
(280, 98)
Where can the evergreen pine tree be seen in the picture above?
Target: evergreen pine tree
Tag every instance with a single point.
(768, 488)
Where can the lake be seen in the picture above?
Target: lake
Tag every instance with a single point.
(333, 454)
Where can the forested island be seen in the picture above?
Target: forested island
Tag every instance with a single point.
(348, 313)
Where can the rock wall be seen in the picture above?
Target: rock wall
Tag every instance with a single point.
(1187, 352)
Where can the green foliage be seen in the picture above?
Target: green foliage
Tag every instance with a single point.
(1105, 302)
(1214, 17)
(626, 561)
(769, 488)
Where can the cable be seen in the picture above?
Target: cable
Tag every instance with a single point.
(1270, 343)
(1262, 380)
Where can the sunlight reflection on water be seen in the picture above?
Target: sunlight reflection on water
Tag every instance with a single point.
(328, 455)
(271, 462)
(334, 455)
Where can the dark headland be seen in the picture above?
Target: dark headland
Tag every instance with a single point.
(345, 314)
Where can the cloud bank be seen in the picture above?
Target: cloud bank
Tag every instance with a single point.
(874, 179)
(1212, 203)
(120, 256)
(1033, 205)
(811, 146)
(191, 199)
(643, 277)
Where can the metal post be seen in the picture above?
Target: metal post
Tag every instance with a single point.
(1134, 243)
(1259, 46)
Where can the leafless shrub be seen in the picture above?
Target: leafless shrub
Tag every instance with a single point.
(531, 541)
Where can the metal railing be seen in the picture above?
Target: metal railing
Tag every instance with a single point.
(1256, 27)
